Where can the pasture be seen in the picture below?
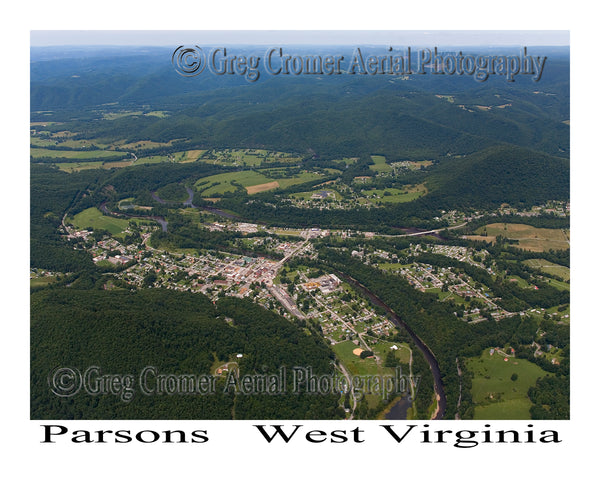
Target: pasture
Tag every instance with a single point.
(529, 238)
(495, 395)
(549, 267)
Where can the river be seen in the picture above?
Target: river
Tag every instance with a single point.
(399, 409)
(427, 353)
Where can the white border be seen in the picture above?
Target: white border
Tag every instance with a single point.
(234, 450)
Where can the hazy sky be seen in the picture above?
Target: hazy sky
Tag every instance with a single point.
(314, 37)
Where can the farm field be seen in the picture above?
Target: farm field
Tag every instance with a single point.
(253, 181)
(529, 238)
(495, 395)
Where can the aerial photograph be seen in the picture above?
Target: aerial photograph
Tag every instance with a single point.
(299, 225)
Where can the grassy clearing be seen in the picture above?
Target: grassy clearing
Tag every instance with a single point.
(92, 218)
(497, 396)
(42, 142)
(402, 354)
(41, 281)
(548, 267)
(380, 165)
(355, 364)
(76, 167)
(529, 238)
(395, 195)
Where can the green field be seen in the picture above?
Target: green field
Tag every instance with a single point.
(42, 142)
(549, 267)
(93, 218)
(356, 365)
(395, 195)
(249, 179)
(402, 354)
(497, 396)
(530, 238)
(380, 165)
(41, 281)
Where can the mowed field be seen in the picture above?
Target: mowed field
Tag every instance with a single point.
(530, 238)
(497, 396)
(356, 365)
(93, 218)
